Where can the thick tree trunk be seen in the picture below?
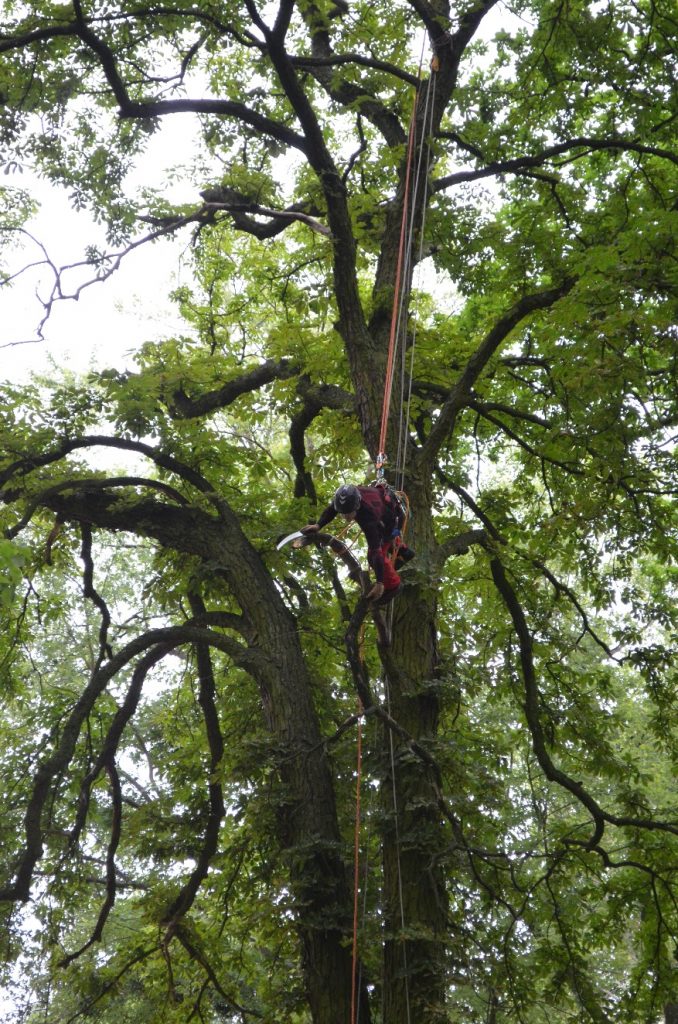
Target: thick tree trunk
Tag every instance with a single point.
(415, 893)
(307, 819)
(309, 833)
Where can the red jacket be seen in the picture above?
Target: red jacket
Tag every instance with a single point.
(377, 517)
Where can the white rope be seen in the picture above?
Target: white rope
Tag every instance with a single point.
(397, 846)
(403, 433)
(370, 811)
(404, 417)
(403, 421)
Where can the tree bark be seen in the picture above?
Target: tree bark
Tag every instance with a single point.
(415, 891)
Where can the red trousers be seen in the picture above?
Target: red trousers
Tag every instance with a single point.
(391, 577)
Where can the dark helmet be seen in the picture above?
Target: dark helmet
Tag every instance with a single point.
(347, 498)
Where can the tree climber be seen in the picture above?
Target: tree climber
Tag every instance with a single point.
(381, 517)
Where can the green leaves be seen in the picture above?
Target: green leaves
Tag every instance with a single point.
(12, 559)
(178, 705)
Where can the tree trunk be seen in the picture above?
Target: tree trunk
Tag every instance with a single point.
(307, 818)
(415, 892)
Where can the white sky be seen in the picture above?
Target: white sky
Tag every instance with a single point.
(111, 318)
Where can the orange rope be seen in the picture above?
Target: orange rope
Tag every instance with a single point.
(356, 870)
(390, 359)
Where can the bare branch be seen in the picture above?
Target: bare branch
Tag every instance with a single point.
(600, 817)
(517, 164)
(104, 267)
(461, 392)
(215, 741)
(279, 218)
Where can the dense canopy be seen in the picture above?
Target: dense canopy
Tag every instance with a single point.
(181, 700)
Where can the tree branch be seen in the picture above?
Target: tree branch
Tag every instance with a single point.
(206, 699)
(90, 592)
(111, 875)
(460, 394)
(57, 763)
(183, 407)
(280, 219)
(340, 89)
(483, 410)
(508, 410)
(517, 164)
(129, 108)
(315, 399)
(197, 955)
(460, 544)
(531, 707)
(110, 743)
(334, 59)
(27, 463)
(562, 588)
(84, 484)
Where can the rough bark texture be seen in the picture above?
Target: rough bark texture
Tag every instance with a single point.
(416, 900)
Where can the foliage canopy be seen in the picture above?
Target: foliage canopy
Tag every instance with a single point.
(179, 698)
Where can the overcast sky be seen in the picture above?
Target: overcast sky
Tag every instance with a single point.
(111, 318)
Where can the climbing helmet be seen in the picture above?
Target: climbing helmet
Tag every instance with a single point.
(347, 498)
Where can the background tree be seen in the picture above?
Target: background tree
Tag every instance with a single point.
(180, 698)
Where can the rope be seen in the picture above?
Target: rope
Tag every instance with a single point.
(364, 912)
(403, 432)
(401, 293)
(356, 864)
(404, 415)
(397, 846)
(400, 302)
(395, 318)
